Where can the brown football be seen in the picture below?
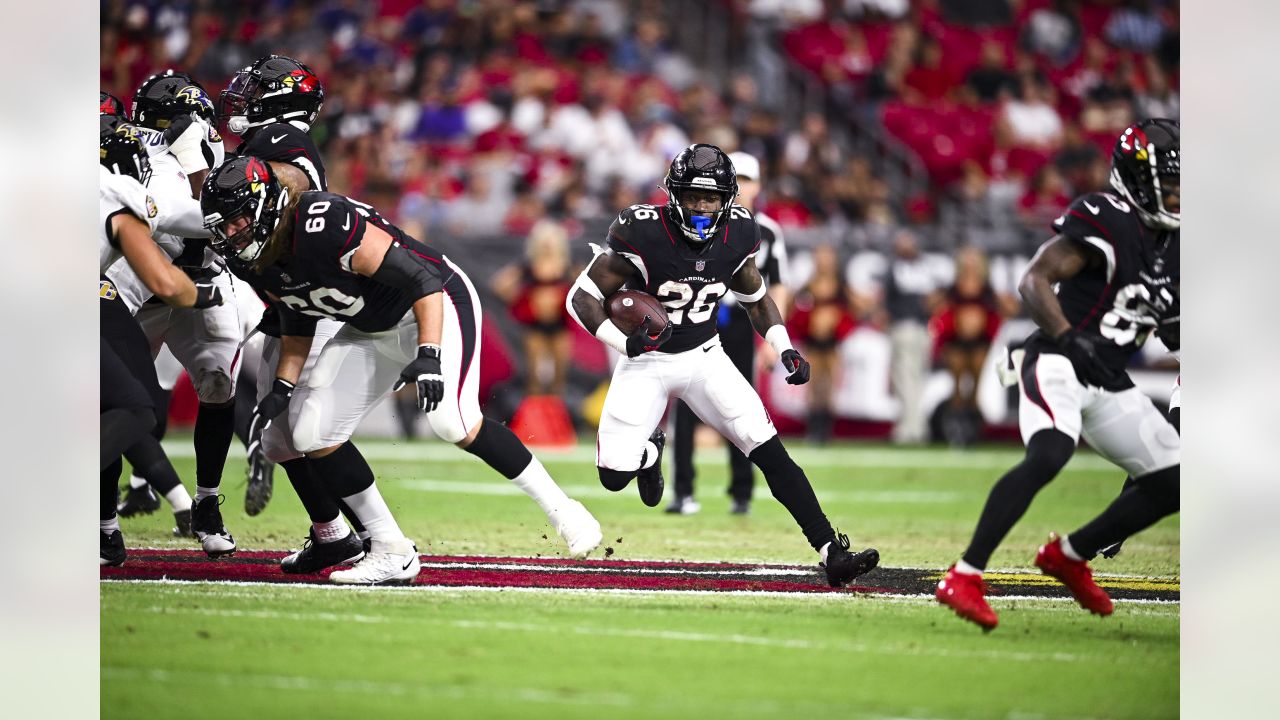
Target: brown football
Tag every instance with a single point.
(627, 308)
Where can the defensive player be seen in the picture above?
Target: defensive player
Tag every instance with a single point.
(172, 115)
(128, 216)
(739, 344)
(409, 314)
(1114, 262)
(688, 254)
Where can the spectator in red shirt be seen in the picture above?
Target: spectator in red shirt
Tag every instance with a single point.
(535, 291)
(821, 317)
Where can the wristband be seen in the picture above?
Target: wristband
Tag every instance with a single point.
(777, 336)
(610, 335)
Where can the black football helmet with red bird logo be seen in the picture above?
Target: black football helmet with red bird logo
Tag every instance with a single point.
(242, 187)
(700, 168)
(1146, 168)
(274, 89)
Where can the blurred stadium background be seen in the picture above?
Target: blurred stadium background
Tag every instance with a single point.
(914, 152)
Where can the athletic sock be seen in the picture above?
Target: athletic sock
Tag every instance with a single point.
(109, 526)
(136, 482)
(965, 568)
(1151, 498)
(152, 465)
(822, 552)
(789, 485)
(331, 531)
(347, 475)
(109, 490)
(501, 450)
(315, 498)
(179, 498)
(1068, 550)
(215, 426)
(535, 482)
(204, 492)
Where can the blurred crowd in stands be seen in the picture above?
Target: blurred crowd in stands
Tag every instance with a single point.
(514, 131)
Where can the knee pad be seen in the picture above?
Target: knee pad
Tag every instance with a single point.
(448, 425)
(305, 419)
(277, 443)
(615, 480)
(213, 387)
(1048, 452)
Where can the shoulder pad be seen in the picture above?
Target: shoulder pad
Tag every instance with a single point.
(743, 233)
(1106, 216)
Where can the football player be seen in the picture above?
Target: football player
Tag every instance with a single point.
(739, 344)
(271, 105)
(1114, 263)
(409, 316)
(172, 115)
(689, 253)
(128, 217)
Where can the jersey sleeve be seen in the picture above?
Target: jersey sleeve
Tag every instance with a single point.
(774, 263)
(122, 194)
(1099, 221)
(742, 233)
(330, 227)
(624, 237)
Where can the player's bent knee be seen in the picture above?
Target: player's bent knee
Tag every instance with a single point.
(307, 426)
(277, 443)
(447, 425)
(214, 387)
(773, 459)
(615, 480)
(1048, 451)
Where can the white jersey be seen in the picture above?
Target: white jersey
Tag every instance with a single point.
(180, 218)
(120, 194)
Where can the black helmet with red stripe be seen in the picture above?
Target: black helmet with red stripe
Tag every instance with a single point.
(1146, 168)
(243, 187)
(109, 104)
(273, 89)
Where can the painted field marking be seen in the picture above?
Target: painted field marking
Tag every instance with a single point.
(596, 492)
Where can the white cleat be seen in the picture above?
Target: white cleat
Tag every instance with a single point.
(578, 527)
(387, 563)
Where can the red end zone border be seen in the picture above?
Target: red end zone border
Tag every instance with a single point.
(560, 573)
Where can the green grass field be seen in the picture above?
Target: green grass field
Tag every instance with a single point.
(253, 651)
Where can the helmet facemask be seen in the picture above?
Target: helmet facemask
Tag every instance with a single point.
(700, 173)
(243, 189)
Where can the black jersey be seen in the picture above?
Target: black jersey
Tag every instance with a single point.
(688, 279)
(286, 143)
(316, 280)
(1116, 301)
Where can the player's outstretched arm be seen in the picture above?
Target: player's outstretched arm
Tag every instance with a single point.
(151, 264)
(604, 276)
(748, 286)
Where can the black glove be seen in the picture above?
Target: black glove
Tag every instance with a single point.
(425, 371)
(640, 343)
(207, 295)
(1083, 354)
(268, 408)
(796, 366)
(177, 126)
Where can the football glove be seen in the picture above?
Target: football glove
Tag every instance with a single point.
(1085, 360)
(1167, 331)
(207, 295)
(268, 409)
(425, 372)
(639, 342)
(796, 366)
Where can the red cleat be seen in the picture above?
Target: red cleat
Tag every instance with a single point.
(1075, 574)
(965, 593)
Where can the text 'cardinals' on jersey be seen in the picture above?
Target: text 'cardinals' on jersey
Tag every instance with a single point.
(688, 280)
(1120, 300)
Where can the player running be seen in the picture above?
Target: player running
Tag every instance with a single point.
(1114, 263)
(688, 254)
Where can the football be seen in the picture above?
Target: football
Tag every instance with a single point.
(627, 308)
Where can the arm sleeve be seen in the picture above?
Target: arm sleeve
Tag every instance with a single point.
(406, 269)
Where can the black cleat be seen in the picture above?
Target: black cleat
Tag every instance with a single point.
(258, 493)
(206, 525)
(182, 523)
(316, 556)
(649, 480)
(111, 552)
(740, 507)
(1111, 551)
(138, 501)
(843, 566)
